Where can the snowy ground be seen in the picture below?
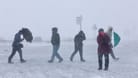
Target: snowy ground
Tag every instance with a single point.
(38, 67)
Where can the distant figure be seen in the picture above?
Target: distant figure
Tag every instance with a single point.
(109, 33)
(103, 41)
(55, 40)
(16, 46)
(78, 40)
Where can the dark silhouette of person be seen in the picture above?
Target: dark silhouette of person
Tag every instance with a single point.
(104, 48)
(110, 33)
(78, 40)
(17, 46)
(55, 40)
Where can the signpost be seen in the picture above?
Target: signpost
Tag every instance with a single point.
(94, 27)
(79, 21)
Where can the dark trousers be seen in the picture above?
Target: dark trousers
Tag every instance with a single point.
(55, 53)
(100, 60)
(80, 49)
(14, 50)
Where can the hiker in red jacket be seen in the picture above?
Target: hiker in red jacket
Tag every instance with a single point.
(103, 41)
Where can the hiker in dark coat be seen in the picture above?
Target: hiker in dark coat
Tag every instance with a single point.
(78, 40)
(104, 48)
(55, 40)
(17, 46)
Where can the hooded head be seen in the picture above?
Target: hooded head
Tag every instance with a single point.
(81, 32)
(101, 31)
(110, 29)
(54, 29)
(20, 31)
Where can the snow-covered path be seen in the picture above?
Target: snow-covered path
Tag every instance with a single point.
(38, 67)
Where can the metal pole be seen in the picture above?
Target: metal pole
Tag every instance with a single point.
(80, 27)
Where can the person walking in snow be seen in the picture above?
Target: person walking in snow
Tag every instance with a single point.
(17, 46)
(109, 33)
(104, 49)
(55, 40)
(78, 40)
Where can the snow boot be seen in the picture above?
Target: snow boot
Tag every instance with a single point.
(60, 60)
(23, 61)
(50, 61)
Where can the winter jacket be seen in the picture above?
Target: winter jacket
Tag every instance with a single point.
(109, 33)
(17, 41)
(55, 40)
(103, 41)
(79, 38)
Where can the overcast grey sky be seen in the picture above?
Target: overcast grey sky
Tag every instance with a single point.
(41, 15)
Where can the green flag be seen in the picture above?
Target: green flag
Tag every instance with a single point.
(116, 39)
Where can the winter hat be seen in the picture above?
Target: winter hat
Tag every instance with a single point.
(54, 29)
(101, 30)
(110, 28)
